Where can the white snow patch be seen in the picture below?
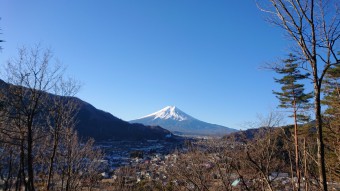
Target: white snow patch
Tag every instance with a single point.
(169, 112)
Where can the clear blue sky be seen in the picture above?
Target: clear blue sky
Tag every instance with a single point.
(135, 57)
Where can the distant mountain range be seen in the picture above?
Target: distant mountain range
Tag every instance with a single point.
(178, 122)
(101, 125)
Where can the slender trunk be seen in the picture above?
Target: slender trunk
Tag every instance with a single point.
(319, 140)
(68, 178)
(222, 176)
(296, 142)
(7, 181)
(50, 170)
(30, 158)
(18, 181)
(22, 178)
(267, 181)
(291, 168)
(317, 86)
(69, 166)
(305, 164)
(62, 180)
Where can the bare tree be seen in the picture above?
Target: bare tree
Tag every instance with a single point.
(60, 117)
(263, 154)
(193, 171)
(265, 157)
(8, 164)
(37, 128)
(78, 163)
(30, 76)
(124, 179)
(314, 25)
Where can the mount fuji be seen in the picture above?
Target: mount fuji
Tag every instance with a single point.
(178, 122)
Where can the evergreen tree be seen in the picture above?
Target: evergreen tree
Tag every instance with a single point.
(332, 118)
(292, 96)
(332, 92)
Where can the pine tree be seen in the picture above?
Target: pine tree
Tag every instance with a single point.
(332, 118)
(292, 96)
(332, 92)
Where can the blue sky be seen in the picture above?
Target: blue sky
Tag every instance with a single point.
(135, 57)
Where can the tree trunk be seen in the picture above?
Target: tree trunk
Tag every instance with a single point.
(50, 169)
(305, 161)
(296, 142)
(8, 182)
(319, 140)
(30, 170)
(291, 168)
(22, 177)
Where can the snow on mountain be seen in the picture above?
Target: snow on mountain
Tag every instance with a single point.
(178, 122)
(169, 112)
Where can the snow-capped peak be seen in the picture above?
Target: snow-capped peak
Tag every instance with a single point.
(169, 112)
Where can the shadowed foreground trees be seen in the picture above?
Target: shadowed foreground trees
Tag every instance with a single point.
(37, 137)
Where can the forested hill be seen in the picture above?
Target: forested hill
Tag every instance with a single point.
(307, 129)
(101, 125)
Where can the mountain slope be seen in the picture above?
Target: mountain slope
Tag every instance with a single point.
(176, 121)
(100, 125)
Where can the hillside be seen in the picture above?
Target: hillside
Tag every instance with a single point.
(101, 125)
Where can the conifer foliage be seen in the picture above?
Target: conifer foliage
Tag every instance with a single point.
(332, 119)
(292, 96)
(332, 92)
